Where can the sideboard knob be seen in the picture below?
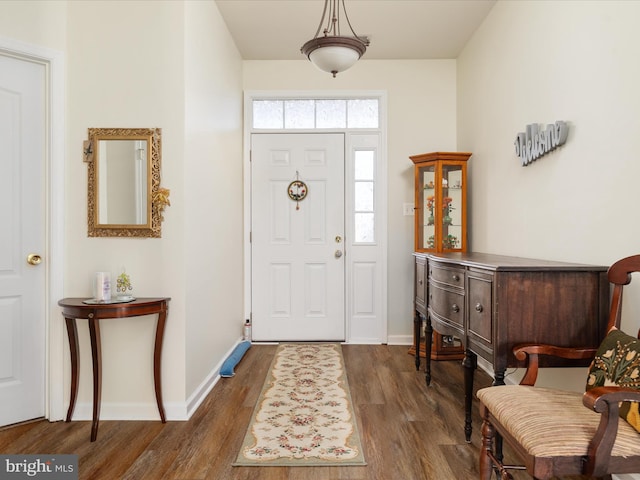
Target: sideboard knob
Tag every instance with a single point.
(479, 308)
(455, 308)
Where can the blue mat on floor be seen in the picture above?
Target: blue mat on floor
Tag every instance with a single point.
(230, 363)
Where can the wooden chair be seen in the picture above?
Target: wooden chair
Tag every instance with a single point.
(558, 433)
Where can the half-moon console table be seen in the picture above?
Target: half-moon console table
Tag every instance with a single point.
(74, 308)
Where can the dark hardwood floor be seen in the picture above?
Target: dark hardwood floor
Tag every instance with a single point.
(408, 431)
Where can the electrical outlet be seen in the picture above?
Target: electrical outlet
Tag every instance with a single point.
(407, 209)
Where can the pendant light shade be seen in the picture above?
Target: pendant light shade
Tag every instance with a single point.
(332, 52)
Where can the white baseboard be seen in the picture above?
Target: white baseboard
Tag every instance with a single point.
(363, 341)
(400, 340)
(122, 411)
(487, 367)
(174, 411)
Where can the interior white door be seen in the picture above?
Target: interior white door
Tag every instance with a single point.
(297, 247)
(22, 236)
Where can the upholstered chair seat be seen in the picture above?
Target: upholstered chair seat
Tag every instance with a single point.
(550, 423)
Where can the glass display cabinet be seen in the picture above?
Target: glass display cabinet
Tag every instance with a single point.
(441, 202)
(440, 226)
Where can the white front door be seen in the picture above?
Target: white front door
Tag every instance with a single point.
(22, 216)
(297, 247)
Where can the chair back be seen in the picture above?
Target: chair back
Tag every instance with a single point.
(619, 274)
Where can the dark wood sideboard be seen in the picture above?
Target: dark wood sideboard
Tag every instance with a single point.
(493, 302)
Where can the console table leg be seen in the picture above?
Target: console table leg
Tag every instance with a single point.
(470, 363)
(96, 356)
(72, 333)
(157, 358)
(428, 339)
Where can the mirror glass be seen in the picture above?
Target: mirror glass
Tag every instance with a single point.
(124, 179)
(122, 182)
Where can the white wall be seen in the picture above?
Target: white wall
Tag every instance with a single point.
(421, 118)
(153, 64)
(41, 23)
(213, 178)
(538, 62)
(125, 70)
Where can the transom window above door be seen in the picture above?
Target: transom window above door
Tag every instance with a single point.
(309, 114)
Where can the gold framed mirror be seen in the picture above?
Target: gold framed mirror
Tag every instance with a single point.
(124, 198)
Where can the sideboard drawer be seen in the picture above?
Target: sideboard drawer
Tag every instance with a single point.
(453, 277)
(447, 304)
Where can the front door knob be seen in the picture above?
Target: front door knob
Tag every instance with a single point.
(34, 259)
(338, 253)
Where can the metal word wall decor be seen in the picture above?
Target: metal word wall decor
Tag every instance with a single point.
(534, 143)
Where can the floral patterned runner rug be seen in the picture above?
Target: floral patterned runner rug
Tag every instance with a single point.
(304, 415)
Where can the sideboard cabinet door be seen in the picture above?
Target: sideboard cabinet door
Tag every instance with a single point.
(480, 318)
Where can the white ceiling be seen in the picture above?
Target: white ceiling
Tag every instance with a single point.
(398, 29)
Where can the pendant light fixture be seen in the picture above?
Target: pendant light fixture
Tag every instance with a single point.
(332, 52)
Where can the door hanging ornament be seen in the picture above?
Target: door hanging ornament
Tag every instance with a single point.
(297, 190)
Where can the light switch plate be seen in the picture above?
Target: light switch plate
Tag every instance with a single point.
(407, 209)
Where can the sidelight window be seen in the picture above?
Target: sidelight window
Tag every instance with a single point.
(364, 196)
